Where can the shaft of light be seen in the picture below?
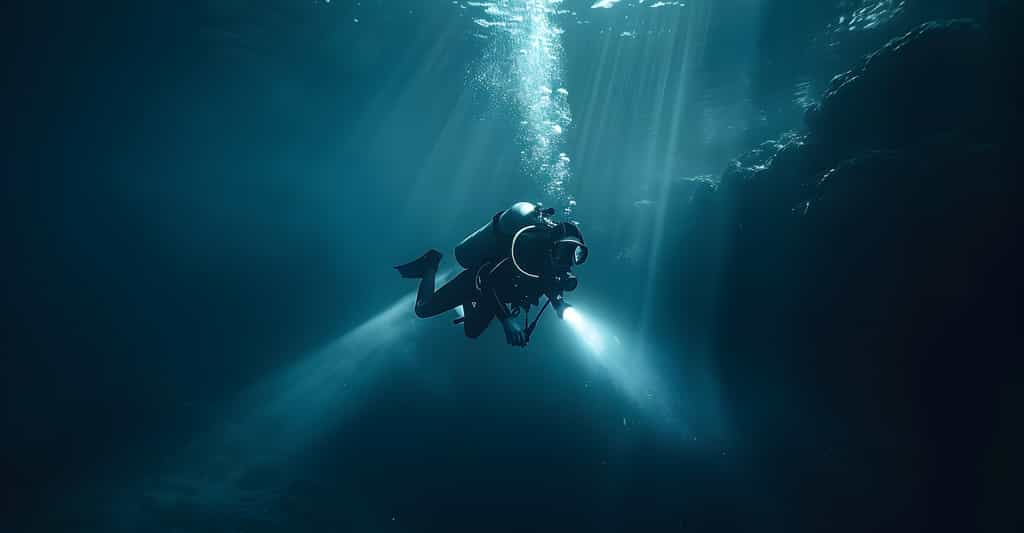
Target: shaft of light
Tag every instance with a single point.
(274, 422)
(624, 365)
(591, 337)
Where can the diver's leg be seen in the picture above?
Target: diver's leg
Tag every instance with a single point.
(448, 297)
(423, 264)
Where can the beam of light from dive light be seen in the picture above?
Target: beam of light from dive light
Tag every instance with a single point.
(274, 421)
(584, 329)
(627, 368)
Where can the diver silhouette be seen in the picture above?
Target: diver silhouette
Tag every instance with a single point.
(510, 262)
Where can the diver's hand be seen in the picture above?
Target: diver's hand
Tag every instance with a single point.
(514, 333)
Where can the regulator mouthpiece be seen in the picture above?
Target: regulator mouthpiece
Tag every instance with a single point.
(565, 282)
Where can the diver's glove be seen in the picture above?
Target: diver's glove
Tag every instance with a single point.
(514, 333)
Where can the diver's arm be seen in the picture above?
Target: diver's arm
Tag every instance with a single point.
(514, 333)
(501, 310)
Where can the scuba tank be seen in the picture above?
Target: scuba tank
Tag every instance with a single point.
(494, 239)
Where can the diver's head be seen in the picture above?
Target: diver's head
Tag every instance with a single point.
(567, 246)
(567, 250)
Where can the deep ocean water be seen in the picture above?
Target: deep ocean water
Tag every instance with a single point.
(800, 312)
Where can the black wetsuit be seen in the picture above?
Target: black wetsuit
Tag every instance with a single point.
(489, 289)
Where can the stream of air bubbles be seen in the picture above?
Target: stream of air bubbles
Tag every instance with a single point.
(523, 67)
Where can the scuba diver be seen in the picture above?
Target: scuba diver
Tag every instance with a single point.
(510, 262)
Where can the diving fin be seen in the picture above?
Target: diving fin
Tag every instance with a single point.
(416, 269)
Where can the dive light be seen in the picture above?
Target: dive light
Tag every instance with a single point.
(558, 303)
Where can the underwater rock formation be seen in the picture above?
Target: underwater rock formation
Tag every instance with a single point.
(862, 278)
(933, 78)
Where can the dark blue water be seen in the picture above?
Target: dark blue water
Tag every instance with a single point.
(203, 202)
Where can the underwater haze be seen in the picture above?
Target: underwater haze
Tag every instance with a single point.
(800, 310)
